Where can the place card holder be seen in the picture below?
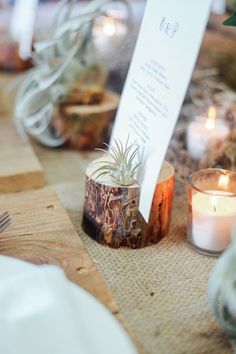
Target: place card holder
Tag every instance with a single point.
(211, 210)
(111, 213)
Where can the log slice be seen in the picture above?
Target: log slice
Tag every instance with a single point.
(88, 126)
(111, 212)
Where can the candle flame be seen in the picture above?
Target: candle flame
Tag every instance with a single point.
(223, 181)
(214, 203)
(211, 120)
(109, 27)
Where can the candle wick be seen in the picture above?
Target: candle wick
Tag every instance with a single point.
(215, 208)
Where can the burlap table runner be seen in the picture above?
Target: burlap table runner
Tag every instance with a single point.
(161, 290)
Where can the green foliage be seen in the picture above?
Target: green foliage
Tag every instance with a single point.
(231, 21)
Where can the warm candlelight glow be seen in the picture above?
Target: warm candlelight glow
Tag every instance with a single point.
(223, 181)
(210, 123)
(214, 203)
(212, 212)
(109, 27)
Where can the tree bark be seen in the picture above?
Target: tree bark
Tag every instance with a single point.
(88, 126)
(111, 212)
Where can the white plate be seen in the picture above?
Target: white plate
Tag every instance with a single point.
(41, 312)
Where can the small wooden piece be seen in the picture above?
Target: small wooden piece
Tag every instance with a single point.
(111, 215)
(19, 167)
(9, 56)
(88, 126)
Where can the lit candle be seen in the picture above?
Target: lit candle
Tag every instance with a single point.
(109, 31)
(218, 6)
(22, 31)
(204, 134)
(213, 220)
(109, 27)
(212, 213)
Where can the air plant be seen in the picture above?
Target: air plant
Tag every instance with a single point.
(121, 165)
(222, 291)
(61, 60)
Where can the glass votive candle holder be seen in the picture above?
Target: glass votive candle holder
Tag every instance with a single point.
(211, 210)
(206, 133)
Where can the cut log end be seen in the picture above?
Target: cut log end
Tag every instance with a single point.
(111, 212)
(88, 126)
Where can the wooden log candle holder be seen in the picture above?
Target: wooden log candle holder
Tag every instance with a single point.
(88, 125)
(111, 215)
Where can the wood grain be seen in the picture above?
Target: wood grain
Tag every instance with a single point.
(42, 233)
(19, 167)
(88, 126)
(111, 212)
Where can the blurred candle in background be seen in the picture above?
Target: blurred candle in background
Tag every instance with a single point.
(206, 133)
(22, 25)
(110, 32)
(218, 6)
(112, 25)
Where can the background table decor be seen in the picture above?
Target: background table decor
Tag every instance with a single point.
(88, 126)
(161, 290)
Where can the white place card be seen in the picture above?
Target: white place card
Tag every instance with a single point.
(156, 85)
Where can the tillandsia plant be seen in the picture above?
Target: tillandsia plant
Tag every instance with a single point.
(121, 165)
(60, 61)
(222, 291)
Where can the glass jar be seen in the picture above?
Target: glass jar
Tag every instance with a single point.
(211, 210)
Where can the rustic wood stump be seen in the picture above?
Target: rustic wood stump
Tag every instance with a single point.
(88, 126)
(111, 215)
(9, 56)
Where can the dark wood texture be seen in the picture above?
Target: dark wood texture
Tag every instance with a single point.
(88, 126)
(111, 213)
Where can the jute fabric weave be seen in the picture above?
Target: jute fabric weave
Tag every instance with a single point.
(161, 290)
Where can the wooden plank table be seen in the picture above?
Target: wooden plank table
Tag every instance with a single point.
(19, 167)
(41, 231)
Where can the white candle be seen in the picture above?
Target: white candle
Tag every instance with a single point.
(204, 134)
(213, 219)
(22, 30)
(109, 32)
(218, 6)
